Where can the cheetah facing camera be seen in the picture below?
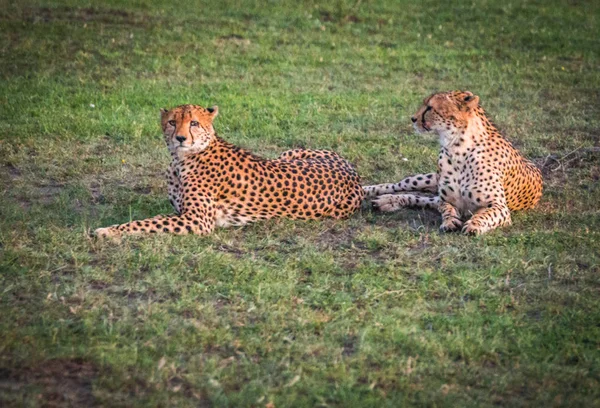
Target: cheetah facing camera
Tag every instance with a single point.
(214, 183)
(480, 174)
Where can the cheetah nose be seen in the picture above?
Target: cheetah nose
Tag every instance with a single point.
(413, 119)
(180, 139)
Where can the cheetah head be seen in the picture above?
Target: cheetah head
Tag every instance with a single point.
(445, 112)
(188, 128)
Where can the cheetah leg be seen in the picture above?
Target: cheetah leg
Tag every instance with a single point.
(450, 218)
(393, 202)
(486, 219)
(200, 220)
(350, 204)
(419, 182)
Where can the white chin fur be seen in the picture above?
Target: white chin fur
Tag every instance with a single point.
(195, 148)
(418, 129)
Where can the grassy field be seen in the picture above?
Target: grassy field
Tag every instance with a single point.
(378, 310)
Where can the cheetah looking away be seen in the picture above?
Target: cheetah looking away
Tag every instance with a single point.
(480, 178)
(214, 183)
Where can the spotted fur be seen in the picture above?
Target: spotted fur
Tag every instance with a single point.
(481, 177)
(213, 183)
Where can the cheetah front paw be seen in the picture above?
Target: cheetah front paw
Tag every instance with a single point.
(474, 228)
(107, 233)
(451, 224)
(389, 203)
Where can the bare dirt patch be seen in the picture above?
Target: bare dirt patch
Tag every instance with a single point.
(574, 159)
(339, 18)
(234, 39)
(336, 238)
(410, 218)
(58, 383)
(86, 15)
(44, 193)
(350, 345)
(556, 167)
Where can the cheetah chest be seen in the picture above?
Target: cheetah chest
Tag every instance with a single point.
(456, 181)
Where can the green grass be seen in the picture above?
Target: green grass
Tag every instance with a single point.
(378, 310)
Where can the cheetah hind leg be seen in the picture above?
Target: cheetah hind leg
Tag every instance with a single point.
(393, 202)
(350, 204)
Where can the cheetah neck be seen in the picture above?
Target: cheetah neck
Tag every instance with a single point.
(180, 159)
(461, 140)
(217, 149)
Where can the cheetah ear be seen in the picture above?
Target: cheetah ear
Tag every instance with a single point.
(213, 110)
(470, 100)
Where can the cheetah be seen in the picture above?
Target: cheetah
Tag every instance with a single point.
(212, 183)
(480, 178)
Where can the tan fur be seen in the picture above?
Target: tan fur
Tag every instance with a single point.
(214, 183)
(481, 177)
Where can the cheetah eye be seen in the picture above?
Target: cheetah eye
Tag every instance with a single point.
(172, 123)
(193, 123)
